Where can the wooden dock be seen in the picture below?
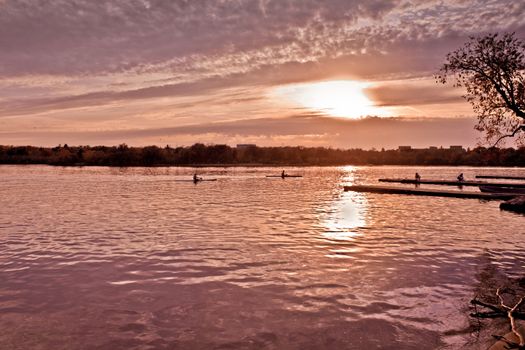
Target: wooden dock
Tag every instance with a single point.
(453, 183)
(500, 177)
(427, 192)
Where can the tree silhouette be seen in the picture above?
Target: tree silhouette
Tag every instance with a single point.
(491, 69)
(200, 154)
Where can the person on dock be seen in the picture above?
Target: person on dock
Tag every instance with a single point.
(461, 178)
(283, 174)
(418, 177)
(196, 178)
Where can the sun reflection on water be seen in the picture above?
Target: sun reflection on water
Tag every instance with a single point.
(347, 216)
(347, 213)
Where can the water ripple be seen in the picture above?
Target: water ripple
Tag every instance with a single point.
(104, 258)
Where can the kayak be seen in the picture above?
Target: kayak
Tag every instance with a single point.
(199, 180)
(495, 189)
(284, 176)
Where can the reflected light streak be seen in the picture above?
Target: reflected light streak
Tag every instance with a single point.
(347, 213)
(345, 219)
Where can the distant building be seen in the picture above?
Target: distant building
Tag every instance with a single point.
(245, 145)
(431, 148)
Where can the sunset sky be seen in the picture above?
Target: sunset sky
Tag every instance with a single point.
(341, 73)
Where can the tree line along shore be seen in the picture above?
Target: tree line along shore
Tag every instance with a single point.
(200, 154)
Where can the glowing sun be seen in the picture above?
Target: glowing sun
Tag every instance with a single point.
(339, 98)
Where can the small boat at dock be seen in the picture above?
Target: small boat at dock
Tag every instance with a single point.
(496, 189)
(500, 177)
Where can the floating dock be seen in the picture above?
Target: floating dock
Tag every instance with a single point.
(454, 183)
(500, 177)
(426, 192)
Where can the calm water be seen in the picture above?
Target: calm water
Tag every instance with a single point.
(101, 258)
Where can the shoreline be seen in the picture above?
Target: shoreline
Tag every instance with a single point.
(263, 165)
(200, 155)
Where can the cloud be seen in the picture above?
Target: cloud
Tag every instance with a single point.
(305, 129)
(413, 92)
(69, 64)
(81, 36)
(193, 37)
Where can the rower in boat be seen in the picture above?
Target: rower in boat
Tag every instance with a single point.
(418, 179)
(284, 175)
(196, 178)
(461, 178)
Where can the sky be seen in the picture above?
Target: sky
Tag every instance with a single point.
(337, 73)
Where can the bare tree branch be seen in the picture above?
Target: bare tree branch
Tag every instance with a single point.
(488, 306)
(510, 311)
(521, 127)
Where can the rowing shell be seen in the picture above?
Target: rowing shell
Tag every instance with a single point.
(284, 176)
(199, 180)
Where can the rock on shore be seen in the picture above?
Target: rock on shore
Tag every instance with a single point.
(515, 204)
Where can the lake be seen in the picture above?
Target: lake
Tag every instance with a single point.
(133, 258)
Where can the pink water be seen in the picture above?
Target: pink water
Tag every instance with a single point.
(108, 258)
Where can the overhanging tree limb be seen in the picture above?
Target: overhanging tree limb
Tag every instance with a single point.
(492, 70)
(521, 127)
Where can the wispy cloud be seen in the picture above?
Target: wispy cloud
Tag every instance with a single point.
(306, 129)
(96, 37)
(153, 63)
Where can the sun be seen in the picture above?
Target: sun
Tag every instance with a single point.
(338, 98)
